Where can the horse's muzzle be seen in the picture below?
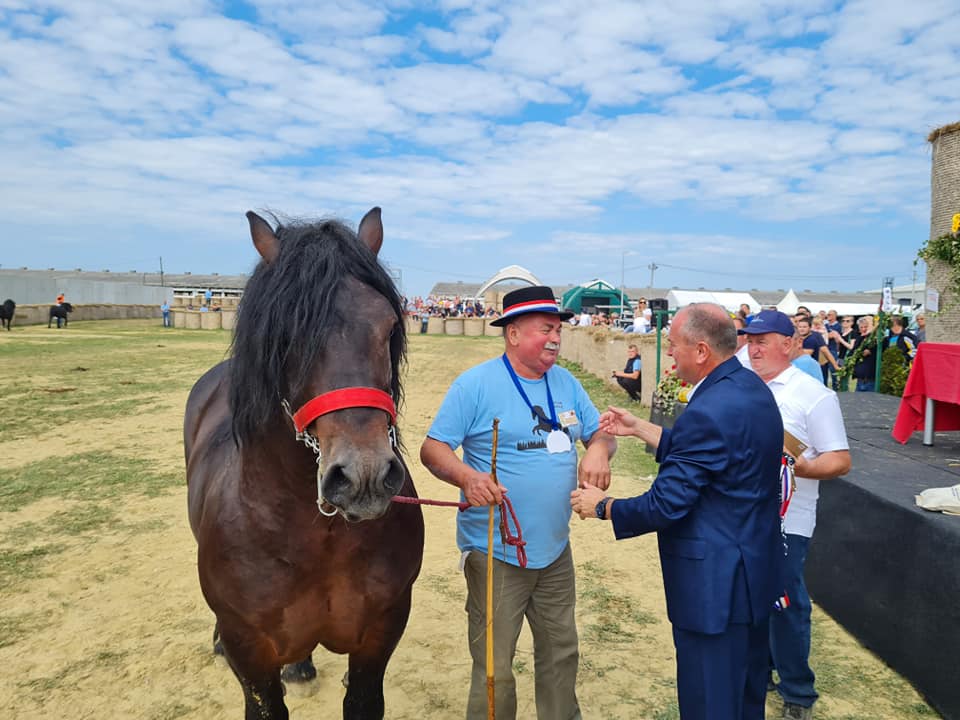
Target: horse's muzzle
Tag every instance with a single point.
(362, 490)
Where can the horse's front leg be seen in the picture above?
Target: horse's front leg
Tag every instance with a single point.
(364, 698)
(259, 677)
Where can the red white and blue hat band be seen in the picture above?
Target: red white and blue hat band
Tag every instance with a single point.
(531, 306)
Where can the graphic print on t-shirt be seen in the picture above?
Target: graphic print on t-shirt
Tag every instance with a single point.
(543, 428)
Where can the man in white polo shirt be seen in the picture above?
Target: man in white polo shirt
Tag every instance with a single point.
(811, 413)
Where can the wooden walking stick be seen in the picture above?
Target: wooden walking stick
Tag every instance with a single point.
(491, 712)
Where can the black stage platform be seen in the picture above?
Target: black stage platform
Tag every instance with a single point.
(886, 570)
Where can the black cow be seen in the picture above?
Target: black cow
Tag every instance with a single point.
(6, 312)
(59, 312)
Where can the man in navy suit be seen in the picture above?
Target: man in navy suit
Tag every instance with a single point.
(715, 507)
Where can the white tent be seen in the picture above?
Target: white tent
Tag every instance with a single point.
(732, 301)
(791, 302)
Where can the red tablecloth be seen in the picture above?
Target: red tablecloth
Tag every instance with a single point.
(935, 374)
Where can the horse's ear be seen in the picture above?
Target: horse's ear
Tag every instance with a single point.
(264, 239)
(371, 230)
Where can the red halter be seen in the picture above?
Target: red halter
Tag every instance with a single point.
(342, 399)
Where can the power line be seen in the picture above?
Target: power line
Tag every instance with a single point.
(445, 273)
(654, 266)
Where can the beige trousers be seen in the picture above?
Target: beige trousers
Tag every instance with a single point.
(547, 598)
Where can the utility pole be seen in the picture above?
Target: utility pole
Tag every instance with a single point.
(623, 259)
(161, 271)
(653, 268)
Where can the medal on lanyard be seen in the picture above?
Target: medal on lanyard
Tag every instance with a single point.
(557, 441)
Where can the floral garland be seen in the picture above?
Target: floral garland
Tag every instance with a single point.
(670, 391)
(946, 249)
(871, 343)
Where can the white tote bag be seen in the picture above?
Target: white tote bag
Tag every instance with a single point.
(946, 499)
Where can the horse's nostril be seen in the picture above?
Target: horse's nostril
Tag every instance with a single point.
(336, 485)
(394, 477)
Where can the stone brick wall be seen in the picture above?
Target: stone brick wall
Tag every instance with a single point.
(944, 204)
(598, 351)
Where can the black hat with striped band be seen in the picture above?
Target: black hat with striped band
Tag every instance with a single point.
(536, 299)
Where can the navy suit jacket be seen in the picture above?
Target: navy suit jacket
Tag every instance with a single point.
(715, 504)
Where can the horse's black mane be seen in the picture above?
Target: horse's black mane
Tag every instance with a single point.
(288, 313)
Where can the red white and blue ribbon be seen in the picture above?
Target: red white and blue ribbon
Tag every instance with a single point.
(787, 484)
(546, 306)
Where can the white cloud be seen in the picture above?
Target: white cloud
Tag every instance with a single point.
(485, 117)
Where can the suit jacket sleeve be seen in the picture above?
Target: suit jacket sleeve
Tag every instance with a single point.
(663, 448)
(693, 453)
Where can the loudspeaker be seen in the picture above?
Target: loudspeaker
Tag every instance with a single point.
(658, 304)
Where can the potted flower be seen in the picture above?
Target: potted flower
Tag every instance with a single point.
(669, 400)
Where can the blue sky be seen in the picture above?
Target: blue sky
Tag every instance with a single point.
(734, 143)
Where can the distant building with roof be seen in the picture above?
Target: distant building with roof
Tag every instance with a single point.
(907, 298)
(38, 287)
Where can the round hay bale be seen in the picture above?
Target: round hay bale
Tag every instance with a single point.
(228, 318)
(435, 326)
(210, 320)
(192, 319)
(453, 326)
(473, 327)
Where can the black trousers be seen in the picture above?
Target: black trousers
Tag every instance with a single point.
(631, 386)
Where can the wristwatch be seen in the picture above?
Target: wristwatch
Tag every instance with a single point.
(601, 509)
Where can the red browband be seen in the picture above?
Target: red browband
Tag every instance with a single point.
(342, 399)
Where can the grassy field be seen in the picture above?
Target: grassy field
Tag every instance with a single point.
(100, 613)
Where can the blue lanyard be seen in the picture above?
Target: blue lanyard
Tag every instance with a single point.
(516, 381)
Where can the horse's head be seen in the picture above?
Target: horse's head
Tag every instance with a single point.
(326, 317)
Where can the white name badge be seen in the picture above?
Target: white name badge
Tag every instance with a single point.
(558, 442)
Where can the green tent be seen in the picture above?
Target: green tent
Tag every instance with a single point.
(594, 294)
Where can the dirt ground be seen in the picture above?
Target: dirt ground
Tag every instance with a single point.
(120, 629)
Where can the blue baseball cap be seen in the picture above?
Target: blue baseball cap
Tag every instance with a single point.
(769, 321)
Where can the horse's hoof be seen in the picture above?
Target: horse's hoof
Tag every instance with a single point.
(300, 672)
(299, 689)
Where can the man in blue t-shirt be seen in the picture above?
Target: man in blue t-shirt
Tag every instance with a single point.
(812, 342)
(542, 411)
(814, 345)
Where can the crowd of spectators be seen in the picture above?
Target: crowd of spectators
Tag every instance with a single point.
(825, 341)
(831, 341)
(447, 307)
(642, 321)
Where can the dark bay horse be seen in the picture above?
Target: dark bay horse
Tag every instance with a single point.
(298, 546)
(6, 313)
(59, 312)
